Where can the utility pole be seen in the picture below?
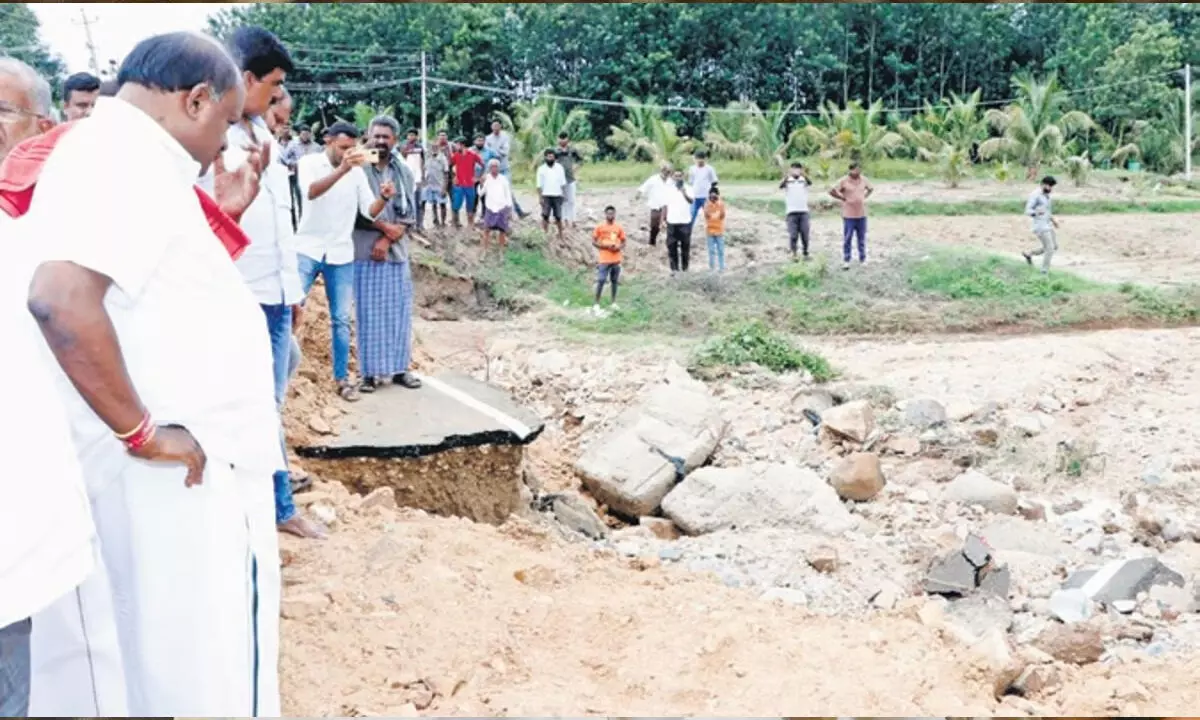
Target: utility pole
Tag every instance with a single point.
(1187, 111)
(93, 60)
(424, 108)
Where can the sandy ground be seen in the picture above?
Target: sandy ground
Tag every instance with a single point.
(402, 614)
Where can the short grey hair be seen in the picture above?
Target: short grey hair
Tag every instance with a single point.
(386, 121)
(36, 86)
(493, 161)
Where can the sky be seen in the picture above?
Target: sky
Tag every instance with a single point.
(116, 27)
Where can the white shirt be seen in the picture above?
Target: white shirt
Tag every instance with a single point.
(497, 193)
(702, 179)
(1041, 210)
(679, 208)
(655, 190)
(551, 180)
(269, 265)
(326, 230)
(190, 329)
(46, 530)
(796, 195)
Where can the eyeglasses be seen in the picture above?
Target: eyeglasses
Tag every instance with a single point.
(10, 115)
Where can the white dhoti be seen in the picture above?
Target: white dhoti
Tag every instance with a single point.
(569, 199)
(191, 626)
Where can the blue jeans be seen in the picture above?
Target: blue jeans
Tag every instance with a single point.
(339, 289)
(697, 206)
(279, 326)
(852, 227)
(15, 669)
(716, 252)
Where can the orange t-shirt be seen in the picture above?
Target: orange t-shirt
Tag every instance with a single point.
(609, 237)
(714, 217)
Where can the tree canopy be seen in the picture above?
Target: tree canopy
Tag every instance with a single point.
(19, 38)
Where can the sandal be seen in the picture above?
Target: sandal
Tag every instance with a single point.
(368, 386)
(406, 380)
(348, 392)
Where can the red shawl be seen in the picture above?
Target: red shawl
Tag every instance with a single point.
(20, 171)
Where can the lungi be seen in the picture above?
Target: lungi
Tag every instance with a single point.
(182, 615)
(383, 299)
(496, 220)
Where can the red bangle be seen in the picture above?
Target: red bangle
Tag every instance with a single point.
(142, 437)
(124, 437)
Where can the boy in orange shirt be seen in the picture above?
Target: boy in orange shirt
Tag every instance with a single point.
(609, 239)
(714, 222)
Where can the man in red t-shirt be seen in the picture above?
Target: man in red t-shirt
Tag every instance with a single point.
(463, 161)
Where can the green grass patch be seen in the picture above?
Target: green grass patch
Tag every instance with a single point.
(983, 208)
(755, 343)
(939, 291)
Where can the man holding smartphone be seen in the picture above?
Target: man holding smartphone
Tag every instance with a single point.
(336, 190)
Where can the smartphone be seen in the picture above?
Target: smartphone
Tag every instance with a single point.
(372, 155)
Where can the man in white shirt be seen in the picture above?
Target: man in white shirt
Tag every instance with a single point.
(1041, 210)
(551, 185)
(46, 531)
(165, 371)
(679, 224)
(25, 104)
(499, 144)
(795, 187)
(270, 265)
(655, 192)
(496, 192)
(701, 177)
(336, 191)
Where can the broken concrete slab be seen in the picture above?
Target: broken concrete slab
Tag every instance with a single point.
(453, 447)
(971, 568)
(762, 495)
(1071, 606)
(651, 448)
(449, 411)
(1124, 579)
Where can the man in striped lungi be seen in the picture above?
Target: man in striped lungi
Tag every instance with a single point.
(383, 291)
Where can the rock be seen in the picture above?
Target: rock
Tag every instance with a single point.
(952, 575)
(858, 477)
(1174, 600)
(903, 445)
(650, 448)
(1125, 607)
(854, 421)
(1028, 425)
(1031, 510)
(1071, 606)
(1173, 532)
(933, 613)
(1124, 579)
(996, 658)
(924, 413)
(1049, 404)
(661, 528)
(323, 513)
(302, 606)
(1079, 644)
(996, 581)
(972, 618)
(381, 497)
(319, 425)
(975, 488)
(576, 514)
(762, 495)
(817, 401)
(787, 596)
(824, 559)
(962, 572)
(962, 409)
(1037, 679)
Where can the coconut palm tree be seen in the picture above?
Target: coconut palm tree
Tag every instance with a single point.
(946, 135)
(644, 135)
(852, 132)
(535, 126)
(1035, 129)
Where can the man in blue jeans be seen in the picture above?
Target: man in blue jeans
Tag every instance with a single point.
(702, 177)
(269, 266)
(335, 192)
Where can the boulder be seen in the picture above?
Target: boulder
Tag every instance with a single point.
(574, 512)
(649, 449)
(854, 421)
(975, 488)
(1080, 644)
(858, 477)
(762, 495)
(924, 413)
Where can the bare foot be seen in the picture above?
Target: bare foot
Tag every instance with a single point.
(302, 527)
